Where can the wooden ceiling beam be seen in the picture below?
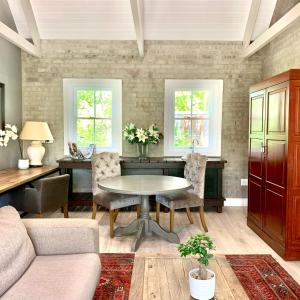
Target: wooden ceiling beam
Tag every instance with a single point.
(253, 14)
(31, 22)
(277, 28)
(18, 40)
(137, 9)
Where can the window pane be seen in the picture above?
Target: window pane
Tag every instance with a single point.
(85, 103)
(103, 102)
(182, 133)
(201, 132)
(85, 132)
(182, 104)
(200, 103)
(103, 133)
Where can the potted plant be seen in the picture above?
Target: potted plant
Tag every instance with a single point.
(201, 280)
(10, 132)
(142, 137)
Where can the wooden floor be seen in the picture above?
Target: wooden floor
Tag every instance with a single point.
(228, 230)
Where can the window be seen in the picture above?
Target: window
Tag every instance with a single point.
(193, 116)
(93, 113)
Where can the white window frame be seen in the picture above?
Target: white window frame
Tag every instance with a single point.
(215, 101)
(70, 109)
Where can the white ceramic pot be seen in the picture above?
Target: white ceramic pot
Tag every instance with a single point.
(36, 153)
(202, 289)
(23, 164)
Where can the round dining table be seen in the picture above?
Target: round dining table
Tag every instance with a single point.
(145, 185)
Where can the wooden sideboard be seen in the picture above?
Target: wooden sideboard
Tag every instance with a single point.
(172, 166)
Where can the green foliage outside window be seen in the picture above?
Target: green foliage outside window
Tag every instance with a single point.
(94, 117)
(190, 104)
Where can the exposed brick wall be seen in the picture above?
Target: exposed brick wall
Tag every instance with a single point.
(143, 87)
(283, 53)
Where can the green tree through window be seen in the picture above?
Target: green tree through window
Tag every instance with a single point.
(191, 118)
(94, 117)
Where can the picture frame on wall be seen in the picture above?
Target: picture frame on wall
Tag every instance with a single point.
(2, 105)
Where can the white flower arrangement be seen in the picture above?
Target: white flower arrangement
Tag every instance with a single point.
(135, 135)
(10, 132)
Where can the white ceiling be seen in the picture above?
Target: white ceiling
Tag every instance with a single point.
(223, 20)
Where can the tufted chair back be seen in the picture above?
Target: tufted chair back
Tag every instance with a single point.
(104, 165)
(194, 172)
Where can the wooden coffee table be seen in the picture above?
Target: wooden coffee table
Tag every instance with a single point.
(166, 277)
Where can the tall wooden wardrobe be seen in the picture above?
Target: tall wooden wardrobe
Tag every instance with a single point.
(274, 163)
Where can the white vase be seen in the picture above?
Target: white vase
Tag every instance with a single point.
(23, 164)
(36, 153)
(202, 289)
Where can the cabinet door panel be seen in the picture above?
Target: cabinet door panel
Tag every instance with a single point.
(255, 202)
(274, 215)
(257, 113)
(256, 157)
(276, 111)
(276, 162)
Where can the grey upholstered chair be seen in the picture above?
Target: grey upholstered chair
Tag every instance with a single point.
(106, 165)
(50, 194)
(194, 172)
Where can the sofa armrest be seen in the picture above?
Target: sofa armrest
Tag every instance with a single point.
(63, 236)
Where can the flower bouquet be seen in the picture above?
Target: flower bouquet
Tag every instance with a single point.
(10, 132)
(142, 137)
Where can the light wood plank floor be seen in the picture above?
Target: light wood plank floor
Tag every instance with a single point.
(228, 230)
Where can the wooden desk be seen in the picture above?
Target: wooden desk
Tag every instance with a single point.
(163, 277)
(12, 178)
(172, 166)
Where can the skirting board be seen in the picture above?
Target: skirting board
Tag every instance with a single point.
(236, 202)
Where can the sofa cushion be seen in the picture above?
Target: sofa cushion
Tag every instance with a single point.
(58, 277)
(17, 251)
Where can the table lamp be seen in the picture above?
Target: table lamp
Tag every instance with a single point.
(37, 132)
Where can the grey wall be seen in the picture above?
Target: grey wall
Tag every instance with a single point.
(283, 53)
(10, 74)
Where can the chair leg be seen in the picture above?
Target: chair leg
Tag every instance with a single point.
(189, 215)
(157, 212)
(116, 212)
(66, 211)
(94, 210)
(138, 211)
(111, 223)
(172, 212)
(202, 218)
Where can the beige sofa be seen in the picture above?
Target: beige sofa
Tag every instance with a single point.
(47, 258)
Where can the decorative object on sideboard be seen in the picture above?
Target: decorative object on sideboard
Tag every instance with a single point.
(78, 154)
(37, 133)
(202, 281)
(142, 137)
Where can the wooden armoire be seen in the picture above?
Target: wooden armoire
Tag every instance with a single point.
(274, 163)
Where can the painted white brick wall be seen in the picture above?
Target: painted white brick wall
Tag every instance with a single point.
(143, 87)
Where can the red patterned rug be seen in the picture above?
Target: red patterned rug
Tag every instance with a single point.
(263, 278)
(115, 278)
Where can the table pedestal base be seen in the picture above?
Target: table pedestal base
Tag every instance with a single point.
(144, 226)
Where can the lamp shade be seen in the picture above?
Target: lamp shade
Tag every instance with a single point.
(36, 131)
